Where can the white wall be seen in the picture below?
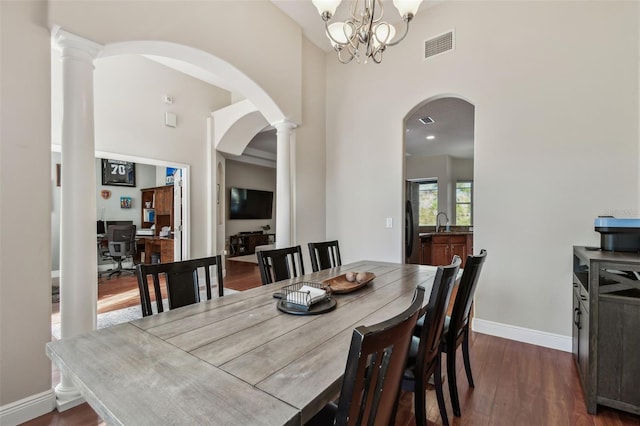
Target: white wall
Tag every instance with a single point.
(25, 202)
(243, 175)
(129, 119)
(543, 169)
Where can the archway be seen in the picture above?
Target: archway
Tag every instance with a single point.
(438, 175)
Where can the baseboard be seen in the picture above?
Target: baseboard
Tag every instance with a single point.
(525, 335)
(27, 408)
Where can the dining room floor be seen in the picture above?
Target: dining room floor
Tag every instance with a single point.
(516, 383)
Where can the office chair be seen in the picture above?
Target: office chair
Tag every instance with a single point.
(122, 244)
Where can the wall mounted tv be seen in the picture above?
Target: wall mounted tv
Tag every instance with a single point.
(250, 204)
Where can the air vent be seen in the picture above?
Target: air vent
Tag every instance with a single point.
(426, 120)
(438, 44)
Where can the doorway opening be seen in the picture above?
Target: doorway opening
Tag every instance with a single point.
(438, 178)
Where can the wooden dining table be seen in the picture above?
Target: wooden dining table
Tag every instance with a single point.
(234, 360)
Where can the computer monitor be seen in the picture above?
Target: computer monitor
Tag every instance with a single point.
(119, 222)
(100, 229)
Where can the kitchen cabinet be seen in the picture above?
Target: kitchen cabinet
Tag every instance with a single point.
(606, 314)
(445, 245)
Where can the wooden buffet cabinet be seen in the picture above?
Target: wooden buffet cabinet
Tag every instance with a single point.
(606, 320)
(439, 249)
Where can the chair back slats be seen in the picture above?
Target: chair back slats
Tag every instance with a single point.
(435, 313)
(180, 280)
(324, 255)
(375, 363)
(280, 264)
(182, 287)
(466, 290)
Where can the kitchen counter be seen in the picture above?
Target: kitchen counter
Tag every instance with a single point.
(438, 248)
(428, 235)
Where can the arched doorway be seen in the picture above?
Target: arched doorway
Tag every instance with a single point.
(438, 172)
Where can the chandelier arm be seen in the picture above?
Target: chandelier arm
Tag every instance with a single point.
(373, 11)
(406, 31)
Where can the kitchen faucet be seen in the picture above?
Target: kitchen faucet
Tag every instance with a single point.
(438, 220)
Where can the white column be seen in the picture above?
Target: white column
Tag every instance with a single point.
(78, 250)
(284, 191)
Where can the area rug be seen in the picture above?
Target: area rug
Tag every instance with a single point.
(131, 313)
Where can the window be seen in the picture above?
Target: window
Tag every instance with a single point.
(464, 198)
(428, 192)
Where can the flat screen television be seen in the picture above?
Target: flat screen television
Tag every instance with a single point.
(250, 204)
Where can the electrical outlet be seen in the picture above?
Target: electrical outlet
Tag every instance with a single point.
(389, 222)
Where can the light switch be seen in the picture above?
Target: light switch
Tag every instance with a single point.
(170, 119)
(389, 222)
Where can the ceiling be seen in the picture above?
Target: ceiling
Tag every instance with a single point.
(452, 129)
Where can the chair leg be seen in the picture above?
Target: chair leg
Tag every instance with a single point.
(420, 395)
(451, 378)
(439, 394)
(465, 356)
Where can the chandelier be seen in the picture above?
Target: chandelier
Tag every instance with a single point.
(364, 34)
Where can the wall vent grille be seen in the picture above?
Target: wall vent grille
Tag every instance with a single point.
(438, 44)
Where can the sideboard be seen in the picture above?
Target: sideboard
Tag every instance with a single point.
(606, 320)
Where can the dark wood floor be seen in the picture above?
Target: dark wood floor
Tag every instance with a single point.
(516, 383)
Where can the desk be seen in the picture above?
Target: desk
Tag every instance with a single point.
(234, 360)
(159, 245)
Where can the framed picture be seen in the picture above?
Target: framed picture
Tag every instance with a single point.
(118, 173)
(125, 202)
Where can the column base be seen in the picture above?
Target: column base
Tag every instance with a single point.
(67, 398)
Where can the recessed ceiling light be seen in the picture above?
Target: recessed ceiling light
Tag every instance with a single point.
(426, 120)
(430, 137)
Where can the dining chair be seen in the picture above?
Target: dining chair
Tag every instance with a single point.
(456, 327)
(280, 264)
(181, 282)
(324, 255)
(375, 362)
(424, 352)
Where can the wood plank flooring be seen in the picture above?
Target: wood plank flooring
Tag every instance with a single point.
(516, 383)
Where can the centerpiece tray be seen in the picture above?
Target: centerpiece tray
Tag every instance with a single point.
(340, 284)
(315, 309)
(305, 298)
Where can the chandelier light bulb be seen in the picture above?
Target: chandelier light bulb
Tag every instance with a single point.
(326, 7)
(407, 8)
(339, 33)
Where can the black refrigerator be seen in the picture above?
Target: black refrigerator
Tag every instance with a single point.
(411, 223)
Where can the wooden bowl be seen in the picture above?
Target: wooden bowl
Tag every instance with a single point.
(340, 284)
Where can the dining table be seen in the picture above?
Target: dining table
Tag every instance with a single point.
(233, 360)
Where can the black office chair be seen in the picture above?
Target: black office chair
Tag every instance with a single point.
(121, 240)
(456, 327)
(280, 264)
(181, 282)
(424, 354)
(324, 255)
(375, 363)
